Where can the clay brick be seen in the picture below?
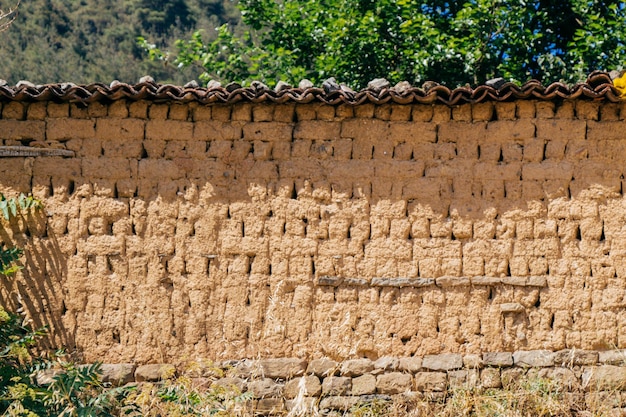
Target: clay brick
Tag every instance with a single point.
(605, 131)
(169, 129)
(158, 111)
(242, 112)
(548, 170)
(96, 109)
(505, 110)
(305, 112)
(482, 112)
(122, 148)
(18, 130)
(36, 111)
(56, 167)
(221, 112)
(138, 109)
(412, 132)
(400, 113)
(526, 109)
(441, 113)
(368, 130)
(111, 168)
(610, 111)
(54, 110)
(565, 110)
(119, 129)
(316, 129)
(284, 113)
(216, 130)
(169, 170)
(59, 129)
(587, 110)
(382, 112)
(366, 111)
(506, 131)
(545, 109)
(461, 131)
(462, 113)
(118, 109)
(422, 113)
(268, 131)
(178, 112)
(561, 129)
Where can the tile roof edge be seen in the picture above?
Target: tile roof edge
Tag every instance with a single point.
(598, 86)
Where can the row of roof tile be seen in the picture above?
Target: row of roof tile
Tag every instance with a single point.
(598, 86)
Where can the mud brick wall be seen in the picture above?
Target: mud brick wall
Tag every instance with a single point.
(264, 230)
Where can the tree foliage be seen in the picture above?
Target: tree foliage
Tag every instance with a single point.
(414, 40)
(86, 41)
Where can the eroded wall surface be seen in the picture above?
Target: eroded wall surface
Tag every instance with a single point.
(283, 230)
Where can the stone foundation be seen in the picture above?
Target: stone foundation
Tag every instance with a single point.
(327, 385)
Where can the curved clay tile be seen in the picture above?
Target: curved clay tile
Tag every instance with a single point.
(598, 86)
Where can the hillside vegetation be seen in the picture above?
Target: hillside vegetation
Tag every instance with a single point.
(85, 41)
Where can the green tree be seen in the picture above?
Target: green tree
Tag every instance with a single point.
(414, 40)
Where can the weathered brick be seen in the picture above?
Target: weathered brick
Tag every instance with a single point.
(316, 129)
(169, 129)
(119, 129)
(367, 130)
(605, 130)
(462, 132)
(268, 131)
(507, 130)
(111, 168)
(412, 132)
(557, 129)
(18, 130)
(59, 129)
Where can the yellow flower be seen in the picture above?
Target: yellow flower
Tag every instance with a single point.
(620, 84)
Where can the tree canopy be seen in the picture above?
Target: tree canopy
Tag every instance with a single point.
(85, 41)
(453, 43)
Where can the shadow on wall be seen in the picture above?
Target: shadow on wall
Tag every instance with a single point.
(40, 287)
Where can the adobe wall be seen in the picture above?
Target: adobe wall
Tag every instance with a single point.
(183, 231)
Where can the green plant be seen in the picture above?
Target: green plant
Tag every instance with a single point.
(10, 208)
(18, 394)
(181, 397)
(77, 391)
(414, 40)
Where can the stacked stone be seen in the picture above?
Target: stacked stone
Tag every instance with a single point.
(331, 385)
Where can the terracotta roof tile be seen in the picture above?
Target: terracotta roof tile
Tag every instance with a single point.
(598, 86)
